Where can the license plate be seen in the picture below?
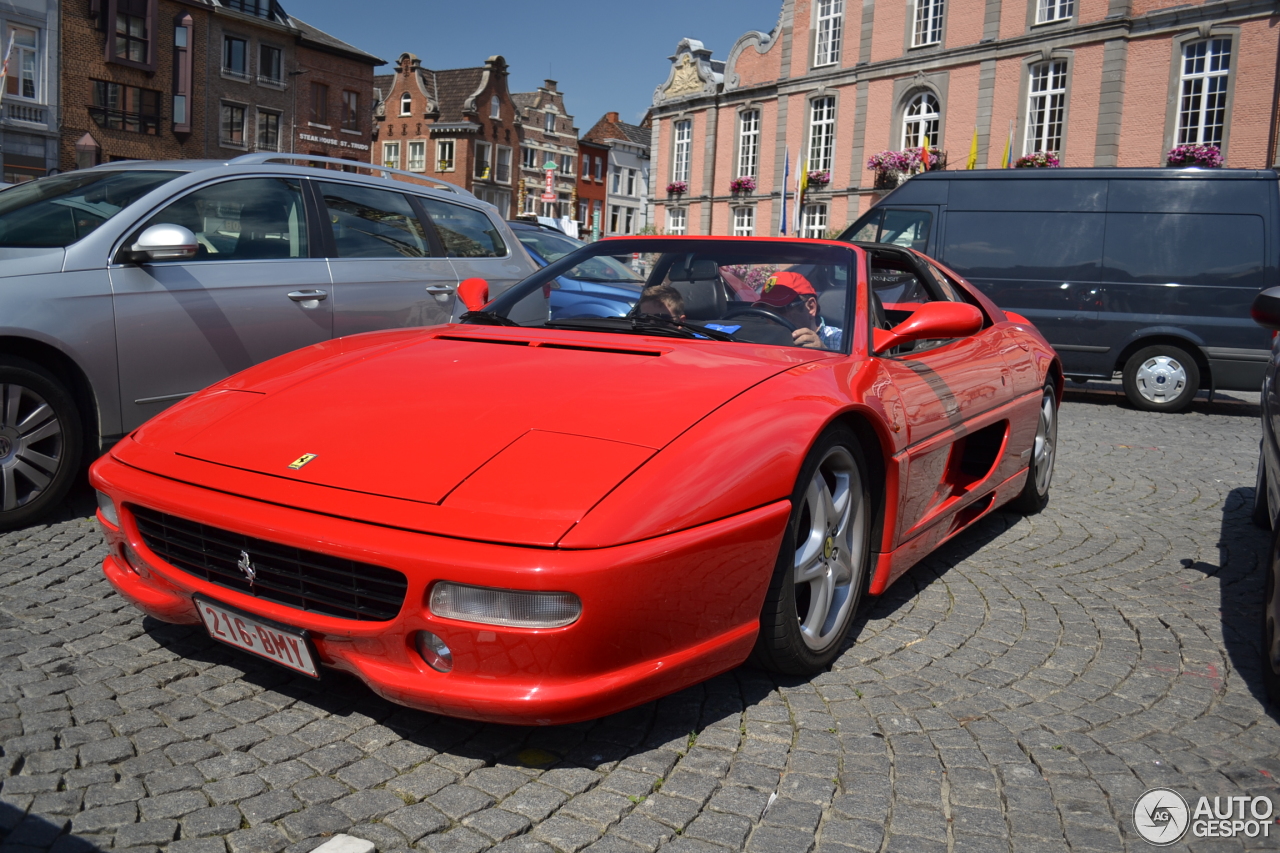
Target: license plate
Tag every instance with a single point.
(286, 646)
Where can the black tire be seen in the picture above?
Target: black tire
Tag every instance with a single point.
(1261, 504)
(41, 442)
(1044, 452)
(1152, 376)
(787, 642)
(1270, 615)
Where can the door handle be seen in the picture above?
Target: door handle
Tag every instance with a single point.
(308, 295)
(439, 288)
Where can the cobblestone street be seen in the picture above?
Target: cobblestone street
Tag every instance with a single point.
(1018, 690)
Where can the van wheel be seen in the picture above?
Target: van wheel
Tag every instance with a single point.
(1162, 378)
(40, 442)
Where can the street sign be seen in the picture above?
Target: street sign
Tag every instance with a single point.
(549, 196)
(550, 165)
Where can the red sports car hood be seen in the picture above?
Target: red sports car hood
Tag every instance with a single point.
(502, 422)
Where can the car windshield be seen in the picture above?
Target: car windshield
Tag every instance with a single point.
(783, 292)
(58, 211)
(551, 247)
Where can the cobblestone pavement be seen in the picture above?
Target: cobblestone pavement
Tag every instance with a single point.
(1016, 691)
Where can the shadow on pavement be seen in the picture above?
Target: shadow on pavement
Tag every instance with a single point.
(1230, 403)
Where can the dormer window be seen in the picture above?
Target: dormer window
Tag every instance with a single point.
(495, 107)
(406, 104)
(550, 123)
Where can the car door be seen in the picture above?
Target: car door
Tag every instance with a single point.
(948, 391)
(252, 292)
(475, 245)
(389, 271)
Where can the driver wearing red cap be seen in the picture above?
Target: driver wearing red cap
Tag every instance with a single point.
(792, 297)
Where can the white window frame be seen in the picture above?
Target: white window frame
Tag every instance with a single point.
(744, 221)
(417, 160)
(484, 155)
(813, 221)
(406, 104)
(923, 116)
(822, 133)
(445, 150)
(495, 107)
(549, 123)
(681, 150)
(829, 17)
(629, 220)
(748, 143)
(1051, 11)
(599, 170)
(500, 167)
(678, 221)
(25, 62)
(926, 24)
(529, 158)
(631, 182)
(1203, 84)
(567, 164)
(1046, 106)
(391, 155)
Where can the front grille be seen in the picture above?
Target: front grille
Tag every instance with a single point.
(290, 576)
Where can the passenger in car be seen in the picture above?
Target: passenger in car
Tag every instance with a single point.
(792, 297)
(662, 299)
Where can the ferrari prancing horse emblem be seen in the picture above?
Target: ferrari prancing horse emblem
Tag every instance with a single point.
(246, 565)
(301, 460)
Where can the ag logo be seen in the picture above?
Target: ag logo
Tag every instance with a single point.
(1161, 816)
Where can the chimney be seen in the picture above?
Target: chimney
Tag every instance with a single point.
(549, 85)
(612, 118)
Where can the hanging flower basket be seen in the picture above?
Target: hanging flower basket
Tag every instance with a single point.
(1038, 160)
(743, 185)
(819, 179)
(1198, 156)
(677, 187)
(889, 179)
(894, 161)
(937, 160)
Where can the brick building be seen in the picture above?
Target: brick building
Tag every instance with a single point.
(29, 122)
(458, 125)
(335, 83)
(592, 190)
(171, 79)
(548, 135)
(1096, 82)
(627, 205)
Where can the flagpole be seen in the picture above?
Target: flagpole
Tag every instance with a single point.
(786, 179)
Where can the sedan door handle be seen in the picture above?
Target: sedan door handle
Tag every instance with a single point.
(308, 295)
(439, 288)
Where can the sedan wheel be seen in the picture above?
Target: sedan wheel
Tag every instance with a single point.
(1161, 378)
(822, 569)
(39, 442)
(1044, 452)
(1270, 618)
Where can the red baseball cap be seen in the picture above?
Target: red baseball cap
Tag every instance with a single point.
(783, 288)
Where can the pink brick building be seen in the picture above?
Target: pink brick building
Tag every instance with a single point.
(1095, 82)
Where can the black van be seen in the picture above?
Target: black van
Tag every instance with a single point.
(1148, 272)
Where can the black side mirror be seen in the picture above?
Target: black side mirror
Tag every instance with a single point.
(1266, 308)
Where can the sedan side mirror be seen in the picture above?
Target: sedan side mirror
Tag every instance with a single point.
(474, 293)
(1266, 308)
(931, 321)
(165, 243)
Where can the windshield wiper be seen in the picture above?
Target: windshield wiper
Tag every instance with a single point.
(486, 318)
(645, 324)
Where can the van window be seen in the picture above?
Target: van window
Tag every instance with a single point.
(466, 233)
(909, 228)
(1061, 246)
(1185, 248)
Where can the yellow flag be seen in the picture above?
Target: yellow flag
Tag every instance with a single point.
(973, 151)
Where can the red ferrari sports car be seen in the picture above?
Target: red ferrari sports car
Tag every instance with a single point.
(532, 520)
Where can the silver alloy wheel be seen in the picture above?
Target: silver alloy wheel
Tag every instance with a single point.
(31, 445)
(1161, 379)
(830, 537)
(1045, 448)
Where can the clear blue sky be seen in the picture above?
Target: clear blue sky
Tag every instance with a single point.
(605, 55)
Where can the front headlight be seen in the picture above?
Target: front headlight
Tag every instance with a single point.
(507, 607)
(107, 507)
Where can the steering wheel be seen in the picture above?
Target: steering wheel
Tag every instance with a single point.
(753, 311)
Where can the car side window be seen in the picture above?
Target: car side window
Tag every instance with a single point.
(899, 286)
(372, 223)
(248, 219)
(868, 231)
(909, 228)
(465, 232)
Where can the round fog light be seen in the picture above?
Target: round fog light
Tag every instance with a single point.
(434, 651)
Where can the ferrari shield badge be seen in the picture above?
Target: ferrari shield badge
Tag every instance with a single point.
(301, 460)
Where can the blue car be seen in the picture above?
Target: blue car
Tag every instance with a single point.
(601, 287)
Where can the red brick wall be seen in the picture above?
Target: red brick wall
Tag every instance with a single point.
(340, 74)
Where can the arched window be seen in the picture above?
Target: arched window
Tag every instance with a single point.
(920, 121)
(406, 104)
(495, 107)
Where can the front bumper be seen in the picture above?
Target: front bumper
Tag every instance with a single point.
(657, 615)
